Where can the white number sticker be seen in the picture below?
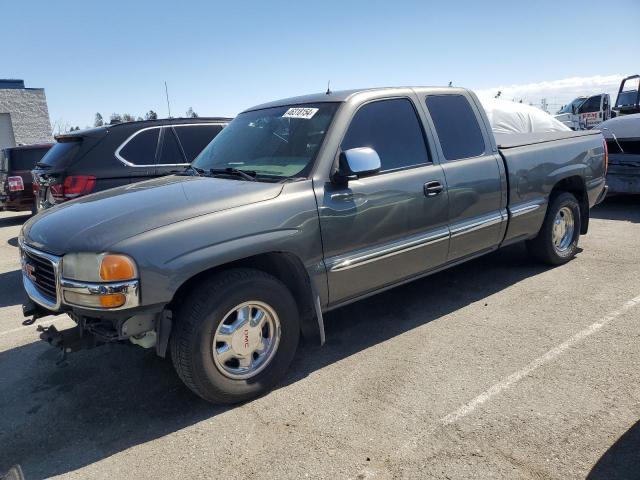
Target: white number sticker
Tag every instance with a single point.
(300, 112)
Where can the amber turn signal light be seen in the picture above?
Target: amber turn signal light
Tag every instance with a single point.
(112, 300)
(117, 267)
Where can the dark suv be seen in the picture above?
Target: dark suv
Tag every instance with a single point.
(99, 158)
(16, 163)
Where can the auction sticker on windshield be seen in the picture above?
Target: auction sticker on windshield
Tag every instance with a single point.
(300, 112)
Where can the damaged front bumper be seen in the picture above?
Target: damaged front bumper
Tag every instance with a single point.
(50, 294)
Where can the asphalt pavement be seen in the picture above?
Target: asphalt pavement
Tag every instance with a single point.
(498, 368)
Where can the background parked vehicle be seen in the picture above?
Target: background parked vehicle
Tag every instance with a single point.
(298, 207)
(96, 159)
(628, 99)
(585, 113)
(623, 141)
(16, 163)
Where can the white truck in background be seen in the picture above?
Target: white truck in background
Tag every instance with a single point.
(586, 112)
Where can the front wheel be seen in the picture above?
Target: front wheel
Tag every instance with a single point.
(557, 240)
(235, 335)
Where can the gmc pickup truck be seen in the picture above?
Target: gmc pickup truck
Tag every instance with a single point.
(298, 207)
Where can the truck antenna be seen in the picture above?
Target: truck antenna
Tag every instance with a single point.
(328, 92)
(166, 92)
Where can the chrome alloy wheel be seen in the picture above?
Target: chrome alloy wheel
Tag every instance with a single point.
(246, 340)
(563, 229)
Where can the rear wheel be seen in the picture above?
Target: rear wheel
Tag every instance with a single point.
(557, 241)
(235, 336)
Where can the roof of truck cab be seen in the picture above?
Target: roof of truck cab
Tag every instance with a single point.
(345, 95)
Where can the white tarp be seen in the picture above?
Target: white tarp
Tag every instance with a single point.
(512, 117)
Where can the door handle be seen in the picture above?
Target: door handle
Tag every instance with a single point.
(342, 197)
(431, 189)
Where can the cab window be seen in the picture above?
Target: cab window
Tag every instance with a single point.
(392, 128)
(456, 125)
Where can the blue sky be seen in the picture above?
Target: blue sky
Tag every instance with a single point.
(221, 57)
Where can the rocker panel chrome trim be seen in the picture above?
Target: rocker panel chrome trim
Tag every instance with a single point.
(388, 251)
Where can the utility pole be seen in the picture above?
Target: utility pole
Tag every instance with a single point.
(166, 92)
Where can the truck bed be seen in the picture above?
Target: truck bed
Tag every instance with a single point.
(512, 140)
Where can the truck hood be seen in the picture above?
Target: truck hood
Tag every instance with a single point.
(95, 222)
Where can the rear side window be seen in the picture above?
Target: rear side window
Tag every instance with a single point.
(62, 154)
(457, 126)
(141, 149)
(194, 138)
(171, 153)
(392, 129)
(26, 159)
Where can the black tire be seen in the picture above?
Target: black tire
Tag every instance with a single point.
(542, 247)
(198, 318)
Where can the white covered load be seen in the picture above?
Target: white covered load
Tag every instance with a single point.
(512, 117)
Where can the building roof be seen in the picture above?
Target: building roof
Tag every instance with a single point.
(14, 84)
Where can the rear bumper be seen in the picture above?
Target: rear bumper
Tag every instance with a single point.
(16, 202)
(624, 183)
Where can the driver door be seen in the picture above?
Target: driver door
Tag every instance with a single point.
(392, 225)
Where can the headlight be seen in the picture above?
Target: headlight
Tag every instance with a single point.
(99, 280)
(102, 267)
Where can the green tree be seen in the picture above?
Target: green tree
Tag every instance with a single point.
(98, 122)
(191, 113)
(127, 117)
(151, 115)
(115, 118)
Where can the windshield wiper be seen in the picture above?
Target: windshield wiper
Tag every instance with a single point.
(249, 175)
(190, 170)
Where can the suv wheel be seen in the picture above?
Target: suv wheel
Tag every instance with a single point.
(235, 335)
(557, 241)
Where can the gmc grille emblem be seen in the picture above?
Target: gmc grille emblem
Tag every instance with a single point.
(30, 270)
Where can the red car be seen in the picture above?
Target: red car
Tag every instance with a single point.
(16, 181)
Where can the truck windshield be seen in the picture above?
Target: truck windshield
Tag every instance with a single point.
(569, 106)
(275, 143)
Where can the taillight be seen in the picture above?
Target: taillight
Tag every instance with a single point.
(15, 184)
(73, 186)
(606, 157)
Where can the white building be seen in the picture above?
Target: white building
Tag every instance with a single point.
(24, 116)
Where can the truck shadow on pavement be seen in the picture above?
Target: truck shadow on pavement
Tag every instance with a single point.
(14, 220)
(619, 207)
(58, 419)
(12, 292)
(622, 460)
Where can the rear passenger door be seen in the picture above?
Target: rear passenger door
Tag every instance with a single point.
(181, 144)
(193, 138)
(474, 174)
(171, 157)
(138, 154)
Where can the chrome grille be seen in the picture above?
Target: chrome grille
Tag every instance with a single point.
(42, 273)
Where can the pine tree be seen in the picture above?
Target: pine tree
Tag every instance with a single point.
(98, 122)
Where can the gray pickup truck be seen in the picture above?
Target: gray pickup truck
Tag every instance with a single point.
(298, 207)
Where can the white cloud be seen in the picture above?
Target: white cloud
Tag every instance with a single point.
(557, 92)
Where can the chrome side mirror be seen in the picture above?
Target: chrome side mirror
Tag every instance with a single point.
(358, 162)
